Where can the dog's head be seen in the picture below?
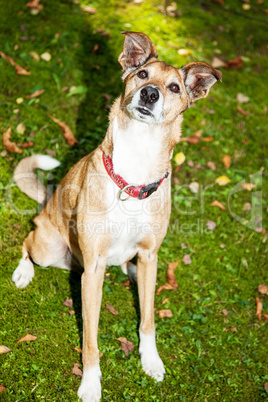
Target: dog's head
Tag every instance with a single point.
(154, 91)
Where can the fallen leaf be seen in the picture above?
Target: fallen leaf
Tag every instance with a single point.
(242, 111)
(166, 299)
(266, 386)
(217, 63)
(187, 259)
(165, 313)
(192, 139)
(207, 139)
(194, 187)
(77, 349)
(8, 145)
(126, 345)
(247, 186)
(234, 329)
(68, 303)
(76, 370)
(246, 6)
(19, 70)
(226, 161)
(19, 100)
(235, 64)
(34, 4)
(259, 308)
(27, 144)
(20, 129)
(263, 289)
(211, 165)
(35, 56)
(180, 158)
(111, 309)
(265, 316)
(185, 52)
(247, 206)
(216, 203)
(71, 312)
(96, 48)
(66, 131)
(35, 94)
(46, 56)
(88, 9)
(2, 388)
(242, 98)
(126, 284)
(211, 225)
(222, 180)
(171, 273)
(166, 286)
(245, 141)
(224, 311)
(27, 338)
(4, 349)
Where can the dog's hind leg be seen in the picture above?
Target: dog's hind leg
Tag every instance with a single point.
(45, 247)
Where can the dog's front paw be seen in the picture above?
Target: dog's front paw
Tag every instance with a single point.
(153, 366)
(150, 360)
(24, 273)
(90, 388)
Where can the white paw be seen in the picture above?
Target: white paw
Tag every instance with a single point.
(150, 360)
(90, 388)
(24, 273)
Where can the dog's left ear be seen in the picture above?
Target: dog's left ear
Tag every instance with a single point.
(199, 77)
(137, 49)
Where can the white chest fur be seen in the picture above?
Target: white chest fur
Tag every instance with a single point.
(137, 152)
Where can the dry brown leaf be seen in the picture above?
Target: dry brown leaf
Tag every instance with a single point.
(89, 9)
(217, 63)
(126, 345)
(242, 111)
(27, 338)
(126, 284)
(266, 386)
(8, 145)
(242, 98)
(76, 370)
(2, 388)
(34, 6)
(111, 309)
(211, 165)
(187, 259)
(247, 186)
(247, 206)
(207, 139)
(27, 144)
(217, 203)
(19, 70)
(265, 316)
(35, 94)
(171, 273)
(226, 161)
(4, 349)
(77, 349)
(66, 131)
(68, 303)
(263, 289)
(194, 187)
(192, 139)
(224, 311)
(166, 299)
(235, 64)
(166, 286)
(259, 308)
(71, 312)
(165, 313)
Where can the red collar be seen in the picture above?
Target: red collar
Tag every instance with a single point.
(139, 192)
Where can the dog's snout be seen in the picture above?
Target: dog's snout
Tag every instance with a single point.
(149, 94)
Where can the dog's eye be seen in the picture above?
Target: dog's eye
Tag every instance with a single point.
(142, 74)
(174, 88)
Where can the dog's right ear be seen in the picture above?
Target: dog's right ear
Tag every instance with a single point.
(137, 50)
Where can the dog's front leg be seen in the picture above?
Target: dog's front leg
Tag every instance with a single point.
(146, 276)
(92, 281)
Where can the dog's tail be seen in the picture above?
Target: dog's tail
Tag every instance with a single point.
(26, 179)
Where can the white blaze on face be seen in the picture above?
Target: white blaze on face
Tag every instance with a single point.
(156, 113)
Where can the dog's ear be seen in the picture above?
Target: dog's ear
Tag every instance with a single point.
(198, 79)
(137, 49)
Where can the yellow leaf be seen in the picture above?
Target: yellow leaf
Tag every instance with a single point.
(180, 158)
(185, 52)
(222, 180)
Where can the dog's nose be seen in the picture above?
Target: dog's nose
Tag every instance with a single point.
(149, 94)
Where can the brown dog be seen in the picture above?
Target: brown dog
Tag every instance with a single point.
(115, 203)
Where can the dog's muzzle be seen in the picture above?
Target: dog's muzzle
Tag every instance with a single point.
(148, 96)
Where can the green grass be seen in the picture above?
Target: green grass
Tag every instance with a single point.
(203, 360)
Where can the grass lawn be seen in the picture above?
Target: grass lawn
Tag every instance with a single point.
(214, 347)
